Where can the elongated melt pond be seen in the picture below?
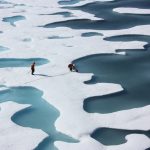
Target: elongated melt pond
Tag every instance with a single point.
(21, 62)
(68, 2)
(64, 14)
(108, 136)
(13, 19)
(89, 34)
(40, 115)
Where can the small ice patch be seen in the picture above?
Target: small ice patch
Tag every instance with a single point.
(132, 10)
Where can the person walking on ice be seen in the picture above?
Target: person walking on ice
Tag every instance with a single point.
(33, 68)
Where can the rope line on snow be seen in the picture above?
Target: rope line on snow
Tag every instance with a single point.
(45, 76)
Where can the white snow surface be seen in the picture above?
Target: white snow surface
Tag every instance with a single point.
(64, 90)
(132, 10)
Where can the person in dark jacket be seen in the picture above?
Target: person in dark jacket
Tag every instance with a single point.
(33, 68)
(72, 67)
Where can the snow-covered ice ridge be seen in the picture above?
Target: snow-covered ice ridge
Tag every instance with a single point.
(64, 90)
(132, 10)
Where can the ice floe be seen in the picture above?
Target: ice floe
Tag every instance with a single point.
(64, 90)
(132, 10)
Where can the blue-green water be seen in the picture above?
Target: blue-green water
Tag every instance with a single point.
(27, 40)
(64, 14)
(4, 2)
(129, 37)
(131, 71)
(13, 19)
(108, 136)
(41, 115)
(111, 20)
(89, 34)
(68, 2)
(2, 48)
(21, 62)
(58, 37)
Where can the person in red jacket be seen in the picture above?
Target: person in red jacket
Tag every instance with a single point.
(33, 68)
(72, 67)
